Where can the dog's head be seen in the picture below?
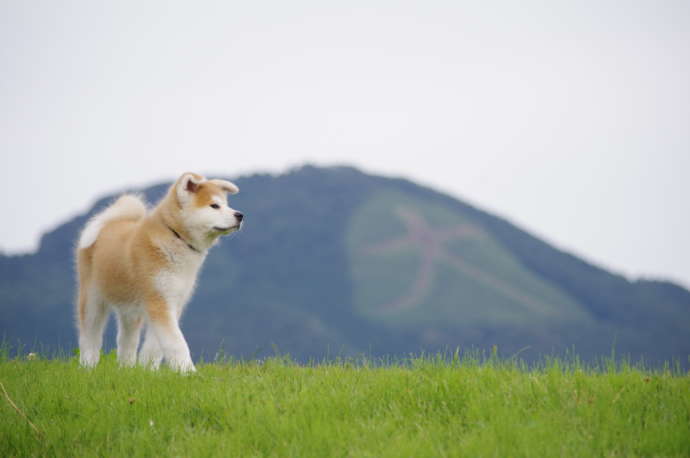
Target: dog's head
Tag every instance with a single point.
(204, 206)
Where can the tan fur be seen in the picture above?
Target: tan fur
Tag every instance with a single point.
(123, 264)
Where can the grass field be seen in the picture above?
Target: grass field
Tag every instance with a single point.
(428, 406)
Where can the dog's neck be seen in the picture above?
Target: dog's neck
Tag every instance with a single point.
(164, 215)
(176, 234)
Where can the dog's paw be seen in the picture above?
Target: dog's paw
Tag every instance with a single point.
(185, 366)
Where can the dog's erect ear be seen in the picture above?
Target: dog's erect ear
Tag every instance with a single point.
(188, 184)
(191, 185)
(230, 188)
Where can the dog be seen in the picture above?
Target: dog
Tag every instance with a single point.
(144, 264)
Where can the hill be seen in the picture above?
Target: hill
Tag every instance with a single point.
(333, 261)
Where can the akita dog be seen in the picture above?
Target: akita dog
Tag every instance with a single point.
(144, 266)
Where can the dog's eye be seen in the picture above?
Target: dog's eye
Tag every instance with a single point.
(216, 206)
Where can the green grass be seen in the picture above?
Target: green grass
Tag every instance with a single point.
(429, 406)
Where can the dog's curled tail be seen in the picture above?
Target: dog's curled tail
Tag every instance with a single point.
(127, 207)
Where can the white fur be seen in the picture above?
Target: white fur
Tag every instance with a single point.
(229, 187)
(176, 286)
(91, 334)
(202, 223)
(126, 207)
(129, 323)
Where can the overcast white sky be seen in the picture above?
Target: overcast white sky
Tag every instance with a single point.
(571, 119)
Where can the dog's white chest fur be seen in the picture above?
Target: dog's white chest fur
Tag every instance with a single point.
(176, 282)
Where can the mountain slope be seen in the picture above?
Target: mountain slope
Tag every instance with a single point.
(332, 261)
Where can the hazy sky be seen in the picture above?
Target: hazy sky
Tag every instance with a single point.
(571, 119)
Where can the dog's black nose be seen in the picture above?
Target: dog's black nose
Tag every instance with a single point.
(239, 216)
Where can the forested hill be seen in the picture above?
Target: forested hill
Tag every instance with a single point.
(334, 262)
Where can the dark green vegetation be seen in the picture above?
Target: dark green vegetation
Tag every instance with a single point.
(424, 407)
(334, 262)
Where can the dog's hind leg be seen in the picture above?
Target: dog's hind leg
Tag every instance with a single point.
(150, 354)
(93, 315)
(128, 332)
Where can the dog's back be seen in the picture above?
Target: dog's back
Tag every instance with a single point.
(127, 207)
(111, 228)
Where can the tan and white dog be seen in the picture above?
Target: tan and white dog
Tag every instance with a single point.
(144, 266)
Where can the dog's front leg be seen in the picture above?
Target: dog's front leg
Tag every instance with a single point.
(163, 322)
